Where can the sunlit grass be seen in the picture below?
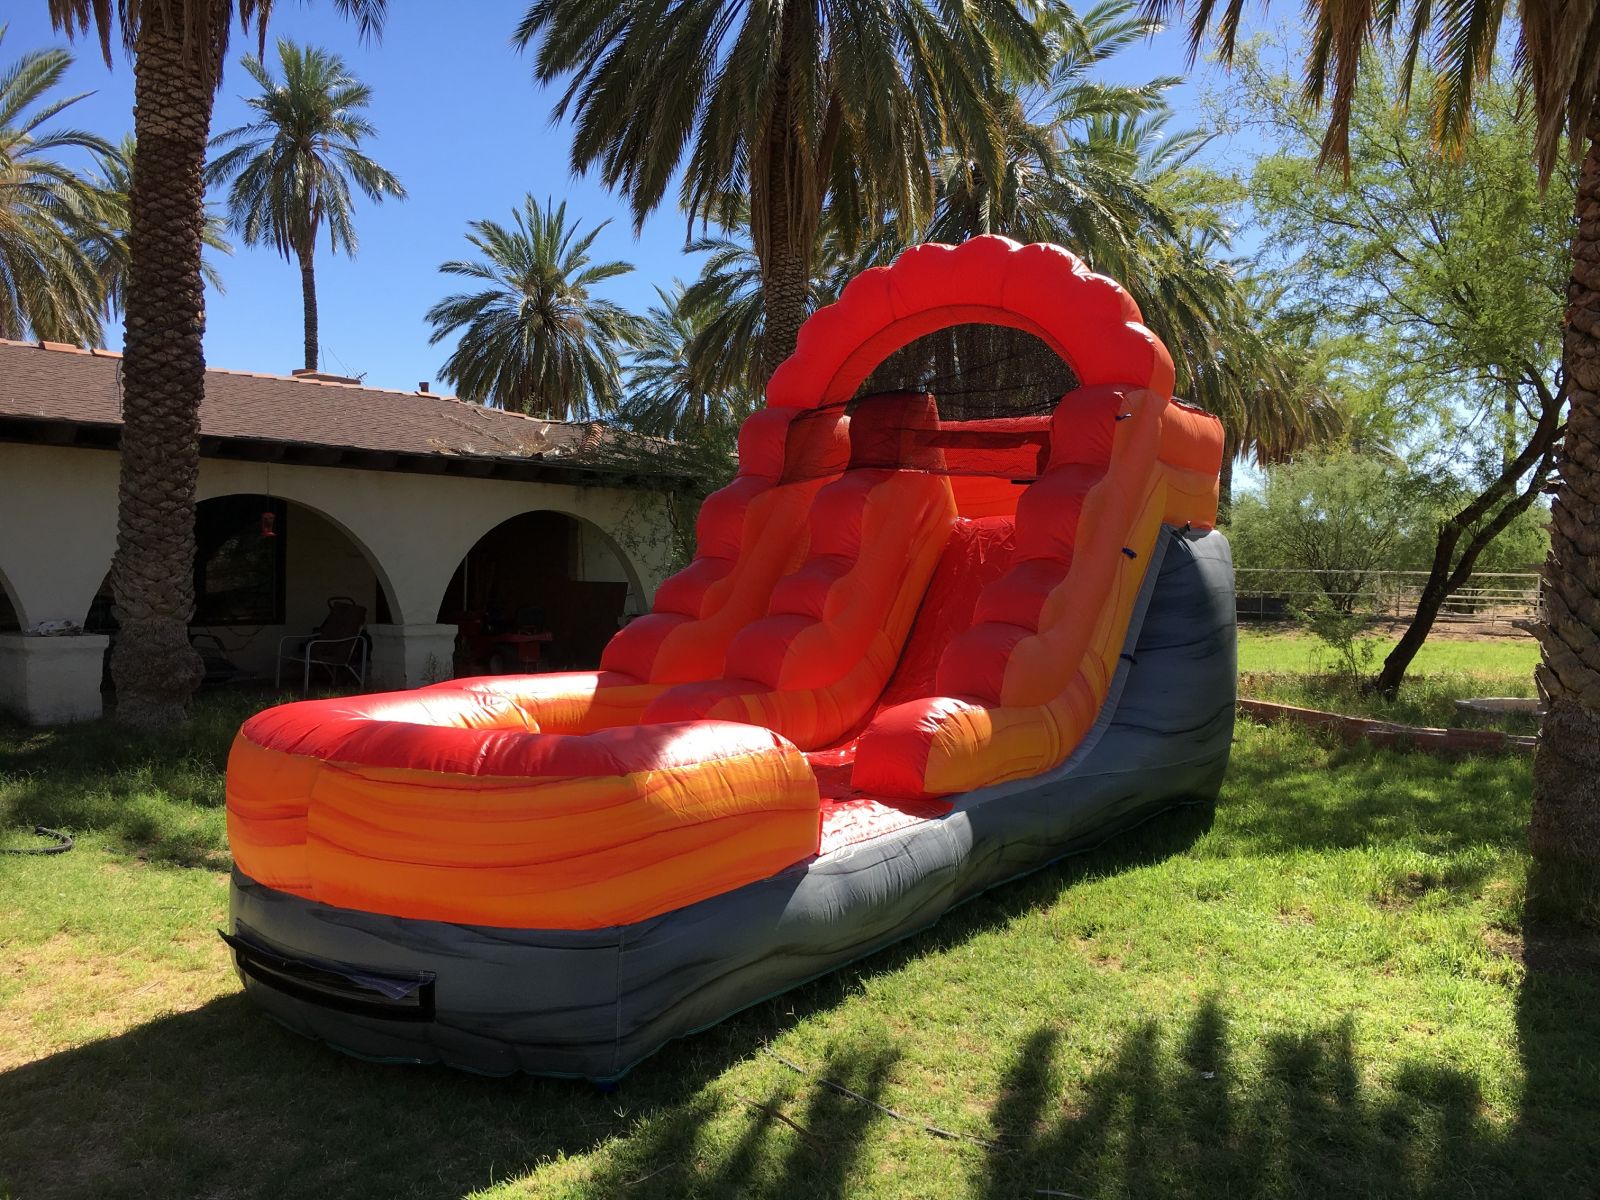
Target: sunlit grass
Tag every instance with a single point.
(1321, 992)
(1498, 658)
(1298, 669)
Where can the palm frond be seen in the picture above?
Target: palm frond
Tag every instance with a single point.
(53, 220)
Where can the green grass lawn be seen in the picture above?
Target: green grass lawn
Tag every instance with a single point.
(1293, 668)
(1325, 989)
(1300, 653)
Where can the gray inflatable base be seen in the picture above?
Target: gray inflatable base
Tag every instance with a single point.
(593, 1003)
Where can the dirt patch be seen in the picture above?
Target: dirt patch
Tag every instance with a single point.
(1503, 943)
(1562, 952)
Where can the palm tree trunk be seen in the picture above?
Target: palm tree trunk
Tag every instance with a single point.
(1566, 772)
(785, 236)
(308, 297)
(163, 379)
(785, 280)
(1230, 451)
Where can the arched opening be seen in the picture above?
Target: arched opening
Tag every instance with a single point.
(540, 591)
(265, 569)
(976, 371)
(1043, 290)
(10, 615)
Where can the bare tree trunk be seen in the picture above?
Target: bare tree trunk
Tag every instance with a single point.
(308, 297)
(1450, 573)
(163, 380)
(1566, 773)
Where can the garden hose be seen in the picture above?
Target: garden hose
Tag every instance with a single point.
(63, 843)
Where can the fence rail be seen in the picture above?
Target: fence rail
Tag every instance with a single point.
(1494, 597)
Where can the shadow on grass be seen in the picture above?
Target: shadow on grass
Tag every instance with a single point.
(159, 795)
(219, 1099)
(1179, 1119)
(1178, 1116)
(1365, 794)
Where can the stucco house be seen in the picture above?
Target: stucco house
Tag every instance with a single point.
(425, 511)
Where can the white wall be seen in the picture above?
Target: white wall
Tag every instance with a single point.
(594, 558)
(58, 525)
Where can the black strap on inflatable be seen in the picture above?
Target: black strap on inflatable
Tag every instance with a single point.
(340, 990)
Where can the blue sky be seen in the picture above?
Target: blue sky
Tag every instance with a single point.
(466, 129)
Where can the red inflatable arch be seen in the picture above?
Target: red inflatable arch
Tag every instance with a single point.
(1088, 319)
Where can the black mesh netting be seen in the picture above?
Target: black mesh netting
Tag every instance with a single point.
(978, 372)
(970, 399)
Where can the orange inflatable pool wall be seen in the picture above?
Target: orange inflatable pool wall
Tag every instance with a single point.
(886, 607)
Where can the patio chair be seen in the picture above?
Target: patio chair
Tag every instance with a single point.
(338, 645)
(220, 669)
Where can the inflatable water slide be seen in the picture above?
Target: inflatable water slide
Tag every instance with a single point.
(914, 656)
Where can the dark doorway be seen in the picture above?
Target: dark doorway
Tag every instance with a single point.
(542, 591)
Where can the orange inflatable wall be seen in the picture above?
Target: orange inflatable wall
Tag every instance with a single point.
(937, 605)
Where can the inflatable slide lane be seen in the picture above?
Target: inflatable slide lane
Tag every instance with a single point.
(918, 652)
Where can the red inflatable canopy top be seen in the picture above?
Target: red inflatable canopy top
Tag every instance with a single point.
(1088, 319)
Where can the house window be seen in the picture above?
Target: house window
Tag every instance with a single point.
(239, 561)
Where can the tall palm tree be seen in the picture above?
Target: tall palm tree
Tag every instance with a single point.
(535, 339)
(50, 216)
(1556, 56)
(110, 252)
(790, 108)
(178, 48)
(292, 168)
(673, 389)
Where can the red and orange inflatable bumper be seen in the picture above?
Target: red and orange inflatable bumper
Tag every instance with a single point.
(892, 615)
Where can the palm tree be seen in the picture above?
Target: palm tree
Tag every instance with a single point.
(1094, 166)
(535, 339)
(731, 302)
(1056, 182)
(673, 389)
(1555, 56)
(110, 252)
(790, 108)
(292, 168)
(178, 48)
(50, 216)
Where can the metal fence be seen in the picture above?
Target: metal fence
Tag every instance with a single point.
(1490, 598)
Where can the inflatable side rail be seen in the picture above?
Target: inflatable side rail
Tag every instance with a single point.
(445, 806)
(1162, 471)
(748, 536)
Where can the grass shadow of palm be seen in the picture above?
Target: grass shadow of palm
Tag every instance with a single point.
(1181, 1117)
(1366, 794)
(220, 1096)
